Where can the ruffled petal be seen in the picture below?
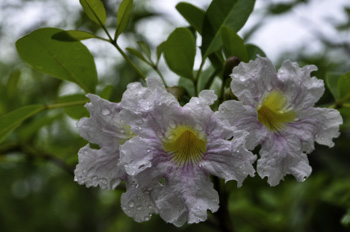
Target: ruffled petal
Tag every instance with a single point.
(99, 168)
(229, 160)
(103, 127)
(279, 157)
(243, 117)
(187, 197)
(250, 81)
(142, 107)
(137, 202)
(136, 154)
(298, 85)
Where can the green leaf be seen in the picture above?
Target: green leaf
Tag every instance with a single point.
(145, 48)
(123, 16)
(233, 44)
(231, 13)
(12, 120)
(344, 87)
(26, 132)
(188, 85)
(73, 35)
(69, 61)
(332, 84)
(254, 51)
(12, 83)
(106, 93)
(160, 50)
(192, 14)
(75, 112)
(137, 54)
(95, 10)
(180, 51)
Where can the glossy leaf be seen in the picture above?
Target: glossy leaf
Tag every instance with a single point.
(106, 92)
(69, 61)
(254, 51)
(180, 51)
(192, 14)
(137, 53)
(160, 50)
(73, 35)
(95, 10)
(344, 87)
(12, 120)
(332, 84)
(145, 48)
(231, 13)
(123, 16)
(77, 111)
(233, 44)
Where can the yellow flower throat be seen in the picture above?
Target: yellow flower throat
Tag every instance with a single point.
(273, 114)
(185, 145)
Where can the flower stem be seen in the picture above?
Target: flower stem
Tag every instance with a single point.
(223, 215)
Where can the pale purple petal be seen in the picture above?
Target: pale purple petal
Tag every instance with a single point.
(229, 160)
(187, 197)
(103, 127)
(99, 168)
(298, 85)
(250, 81)
(137, 202)
(280, 156)
(243, 117)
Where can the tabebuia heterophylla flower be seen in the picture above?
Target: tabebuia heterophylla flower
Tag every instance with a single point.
(277, 109)
(99, 167)
(174, 151)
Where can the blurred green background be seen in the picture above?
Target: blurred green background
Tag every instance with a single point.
(37, 191)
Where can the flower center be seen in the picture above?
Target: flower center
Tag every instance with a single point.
(185, 145)
(273, 114)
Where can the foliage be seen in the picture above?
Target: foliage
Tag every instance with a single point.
(39, 141)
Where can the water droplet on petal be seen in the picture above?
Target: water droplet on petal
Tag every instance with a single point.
(131, 204)
(105, 111)
(172, 124)
(139, 207)
(146, 218)
(150, 206)
(123, 208)
(94, 178)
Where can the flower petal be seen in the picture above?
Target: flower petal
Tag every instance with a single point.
(104, 126)
(229, 160)
(137, 202)
(99, 167)
(136, 155)
(251, 80)
(187, 198)
(297, 83)
(279, 157)
(243, 117)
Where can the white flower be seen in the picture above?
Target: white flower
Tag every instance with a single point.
(104, 128)
(277, 111)
(174, 151)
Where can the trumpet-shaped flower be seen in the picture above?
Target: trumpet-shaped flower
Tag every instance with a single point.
(104, 128)
(174, 151)
(277, 109)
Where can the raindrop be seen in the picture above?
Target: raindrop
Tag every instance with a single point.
(304, 178)
(146, 218)
(124, 208)
(172, 124)
(131, 204)
(103, 181)
(105, 112)
(150, 206)
(94, 178)
(149, 150)
(139, 207)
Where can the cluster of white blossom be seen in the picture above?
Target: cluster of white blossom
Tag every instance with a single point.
(166, 152)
